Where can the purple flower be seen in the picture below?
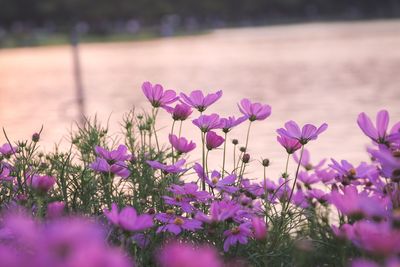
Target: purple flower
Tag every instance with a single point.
(174, 168)
(307, 133)
(237, 234)
(219, 211)
(390, 165)
(213, 140)
(348, 173)
(254, 111)
(208, 122)
(181, 144)
(307, 178)
(199, 101)
(112, 161)
(5, 171)
(259, 227)
(190, 190)
(55, 209)
(379, 133)
(128, 219)
(176, 224)
(41, 183)
(7, 150)
(228, 123)
(185, 255)
(180, 113)
(215, 181)
(157, 96)
(290, 144)
(306, 161)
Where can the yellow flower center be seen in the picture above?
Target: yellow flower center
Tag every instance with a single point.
(178, 221)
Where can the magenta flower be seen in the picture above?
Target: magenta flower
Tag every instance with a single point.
(290, 144)
(180, 113)
(306, 161)
(55, 209)
(225, 184)
(190, 190)
(254, 111)
(259, 228)
(307, 133)
(112, 161)
(128, 219)
(389, 163)
(7, 150)
(208, 122)
(185, 255)
(174, 168)
(182, 145)
(41, 183)
(228, 123)
(176, 224)
(5, 173)
(199, 101)
(237, 234)
(219, 211)
(157, 96)
(213, 140)
(379, 133)
(307, 178)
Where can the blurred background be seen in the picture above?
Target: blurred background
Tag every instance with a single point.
(312, 61)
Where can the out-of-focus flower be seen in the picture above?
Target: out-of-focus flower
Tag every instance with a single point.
(182, 145)
(208, 122)
(157, 96)
(174, 168)
(185, 255)
(213, 140)
(199, 101)
(254, 111)
(306, 161)
(390, 165)
(41, 183)
(259, 228)
(128, 219)
(5, 173)
(55, 209)
(7, 150)
(219, 211)
(307, 133)
(180, 112)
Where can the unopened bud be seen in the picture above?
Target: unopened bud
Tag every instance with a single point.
(235, 142)
(265, 162)
(246, 158)
(35, 137)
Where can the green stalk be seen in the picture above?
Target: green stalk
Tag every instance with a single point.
(224, 157)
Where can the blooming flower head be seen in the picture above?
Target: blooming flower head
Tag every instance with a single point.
(290, 144)
(254, 111)
(174, 168)
(307, 133)
(182, 145)
(157, 96)
(237, 234)
(389, 162)
(377, 133)
(215, 181)
(176, 224)
(41, 183)
(185, 255)
(259, 228)
(180, 112)
(199, 101)
(219, 211)
(228, 123)
(128, 219)
(112, 161)
(306, 161)
(5, 173)
(208, 122)
(213, 140)
(7, 150)
(55, 209)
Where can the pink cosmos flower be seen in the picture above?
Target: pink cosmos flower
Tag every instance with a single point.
(7, 150)
(228, 123)
(180, 112)
(55, 209)
(208, 122)
(199, 101)
(254, 111)
(259, 228)
(176, 224)
(41, 183)
(219, 211)
(213, 140)
(290, 144)
(225, 184)
(112, 161)
(307, 133)
(379, 133)
(389, 163)
(174, 168)
(185, 255)
(237, 234)
(182, 145)
(306, 161)
(128, 219)
(157, 96)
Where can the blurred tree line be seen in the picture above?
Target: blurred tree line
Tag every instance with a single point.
(108, 16)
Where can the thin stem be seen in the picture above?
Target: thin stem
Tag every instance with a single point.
(287, 165)
(154, 128)
(247, 137)
(203, 159)
(180, 128)
(172, 147)
(224, 157)
(295, 178)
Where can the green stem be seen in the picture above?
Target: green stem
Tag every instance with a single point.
(154, 128)
(172, 147)
(203, 159)
(180, 129)
(295, 178)
(224, 157)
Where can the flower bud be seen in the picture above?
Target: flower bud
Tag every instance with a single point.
(235, 142)
(35, 137)
(246, 158)
(265, 162)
